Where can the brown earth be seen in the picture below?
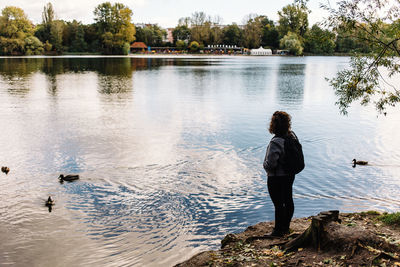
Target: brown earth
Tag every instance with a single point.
(358, 239)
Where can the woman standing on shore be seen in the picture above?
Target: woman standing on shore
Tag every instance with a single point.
(280, 182)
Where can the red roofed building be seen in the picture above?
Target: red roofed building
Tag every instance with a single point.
(138, 47)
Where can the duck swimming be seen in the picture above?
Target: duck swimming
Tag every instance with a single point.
(6, 170)
(50, 202)
(68, 178)
(359, 162)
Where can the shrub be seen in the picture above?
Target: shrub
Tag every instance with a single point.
(292, 43)
(194, 46)
(390, 218)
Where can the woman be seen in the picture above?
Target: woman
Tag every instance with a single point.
(280, 182)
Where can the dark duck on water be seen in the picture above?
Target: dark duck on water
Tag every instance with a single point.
(6, 170)
(359, 162)
(68, 178)
(50, 202)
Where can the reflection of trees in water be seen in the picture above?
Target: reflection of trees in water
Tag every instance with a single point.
(114, 84)
(291, 83)
(16, 73)
(256, 79)
(115, 73)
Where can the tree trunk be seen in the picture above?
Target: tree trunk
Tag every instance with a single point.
(314, 235)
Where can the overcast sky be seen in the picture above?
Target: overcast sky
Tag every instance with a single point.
(164, 12)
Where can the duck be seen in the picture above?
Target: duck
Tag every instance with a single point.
(69, 177)
(6, 170)
(359, 162)
(50, 202)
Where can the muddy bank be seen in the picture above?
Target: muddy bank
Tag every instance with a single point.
(356, 239)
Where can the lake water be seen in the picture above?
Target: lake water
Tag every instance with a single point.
(170, 154)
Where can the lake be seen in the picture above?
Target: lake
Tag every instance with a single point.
(170, 152)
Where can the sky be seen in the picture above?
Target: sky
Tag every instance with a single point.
(165, 13)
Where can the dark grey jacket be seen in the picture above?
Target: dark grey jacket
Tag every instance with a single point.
(273, 162)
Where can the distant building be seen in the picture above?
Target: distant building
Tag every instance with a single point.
(261, 52)
(138, 47)
(223, 49)
(169, 38)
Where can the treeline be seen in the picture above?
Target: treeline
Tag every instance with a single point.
(113, 32)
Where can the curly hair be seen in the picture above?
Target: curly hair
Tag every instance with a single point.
(280, 123)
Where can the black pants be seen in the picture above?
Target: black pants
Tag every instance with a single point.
(280, 191)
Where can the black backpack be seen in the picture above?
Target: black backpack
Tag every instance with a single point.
(293, 160)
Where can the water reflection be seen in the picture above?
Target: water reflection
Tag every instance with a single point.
(291, 83)
(15, 74)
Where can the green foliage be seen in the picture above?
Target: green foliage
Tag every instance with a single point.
(390, 218)
(14, 23)
(252, 32)
(292, 43)
(180, 45)
(33, 46)
(270, 34)
(74, 37)
(319, 41)
(16, 33)
(48, 14)
(194, 46)
(293, 18)
(51, 30)
(47, 46)
(11, 46)
(114, 26)
(151, 35)
(347, 42)
(126, 48)
(181, 32)
(369, 212)
(232, 35)
(215, 36)
(91, 37)
(56, 35)
(204, 29)
(374, 23)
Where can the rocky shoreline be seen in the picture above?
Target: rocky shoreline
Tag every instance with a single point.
(355, 239)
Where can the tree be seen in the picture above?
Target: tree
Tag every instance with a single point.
(204, 29)
(252, 31)
(292, 43)
(51, 30)
(114, 26)
(92, 38)
(347, 42)
(151, 34)
(232, 35)
(74, 37)
(319, 41)
(14, 23)
(269, 34)
(216, 35)
(181, 32)
(15, 27)
(377, 24)
(293, 18)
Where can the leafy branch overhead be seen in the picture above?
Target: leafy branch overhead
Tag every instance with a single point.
(369, 77)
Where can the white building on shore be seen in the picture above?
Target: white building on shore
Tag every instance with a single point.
(260, 52)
